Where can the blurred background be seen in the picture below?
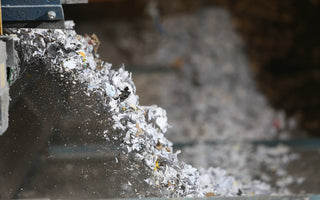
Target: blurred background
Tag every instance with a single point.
(240, 81)
(281, 42)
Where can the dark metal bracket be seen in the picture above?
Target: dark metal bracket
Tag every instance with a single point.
(32, 14)
(32, 10)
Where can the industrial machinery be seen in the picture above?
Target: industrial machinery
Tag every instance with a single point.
(23, 14)
(4, 90)
(14, 79)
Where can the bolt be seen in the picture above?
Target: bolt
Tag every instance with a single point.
(52, 15)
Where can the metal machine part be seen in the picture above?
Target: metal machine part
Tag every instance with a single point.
(34, 14)
(9, 73)
(22, 14)
(26, 136)
(12, 60)
(73, 1)
(4, 90)
(25, 10)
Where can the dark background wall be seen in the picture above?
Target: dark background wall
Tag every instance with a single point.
(284, 48)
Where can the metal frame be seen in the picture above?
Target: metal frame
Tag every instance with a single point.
(4, 90)
(32, 10)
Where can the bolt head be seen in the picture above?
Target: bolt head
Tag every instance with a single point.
(52, 15)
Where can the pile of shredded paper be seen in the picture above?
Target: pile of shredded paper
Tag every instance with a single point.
(138, 129)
